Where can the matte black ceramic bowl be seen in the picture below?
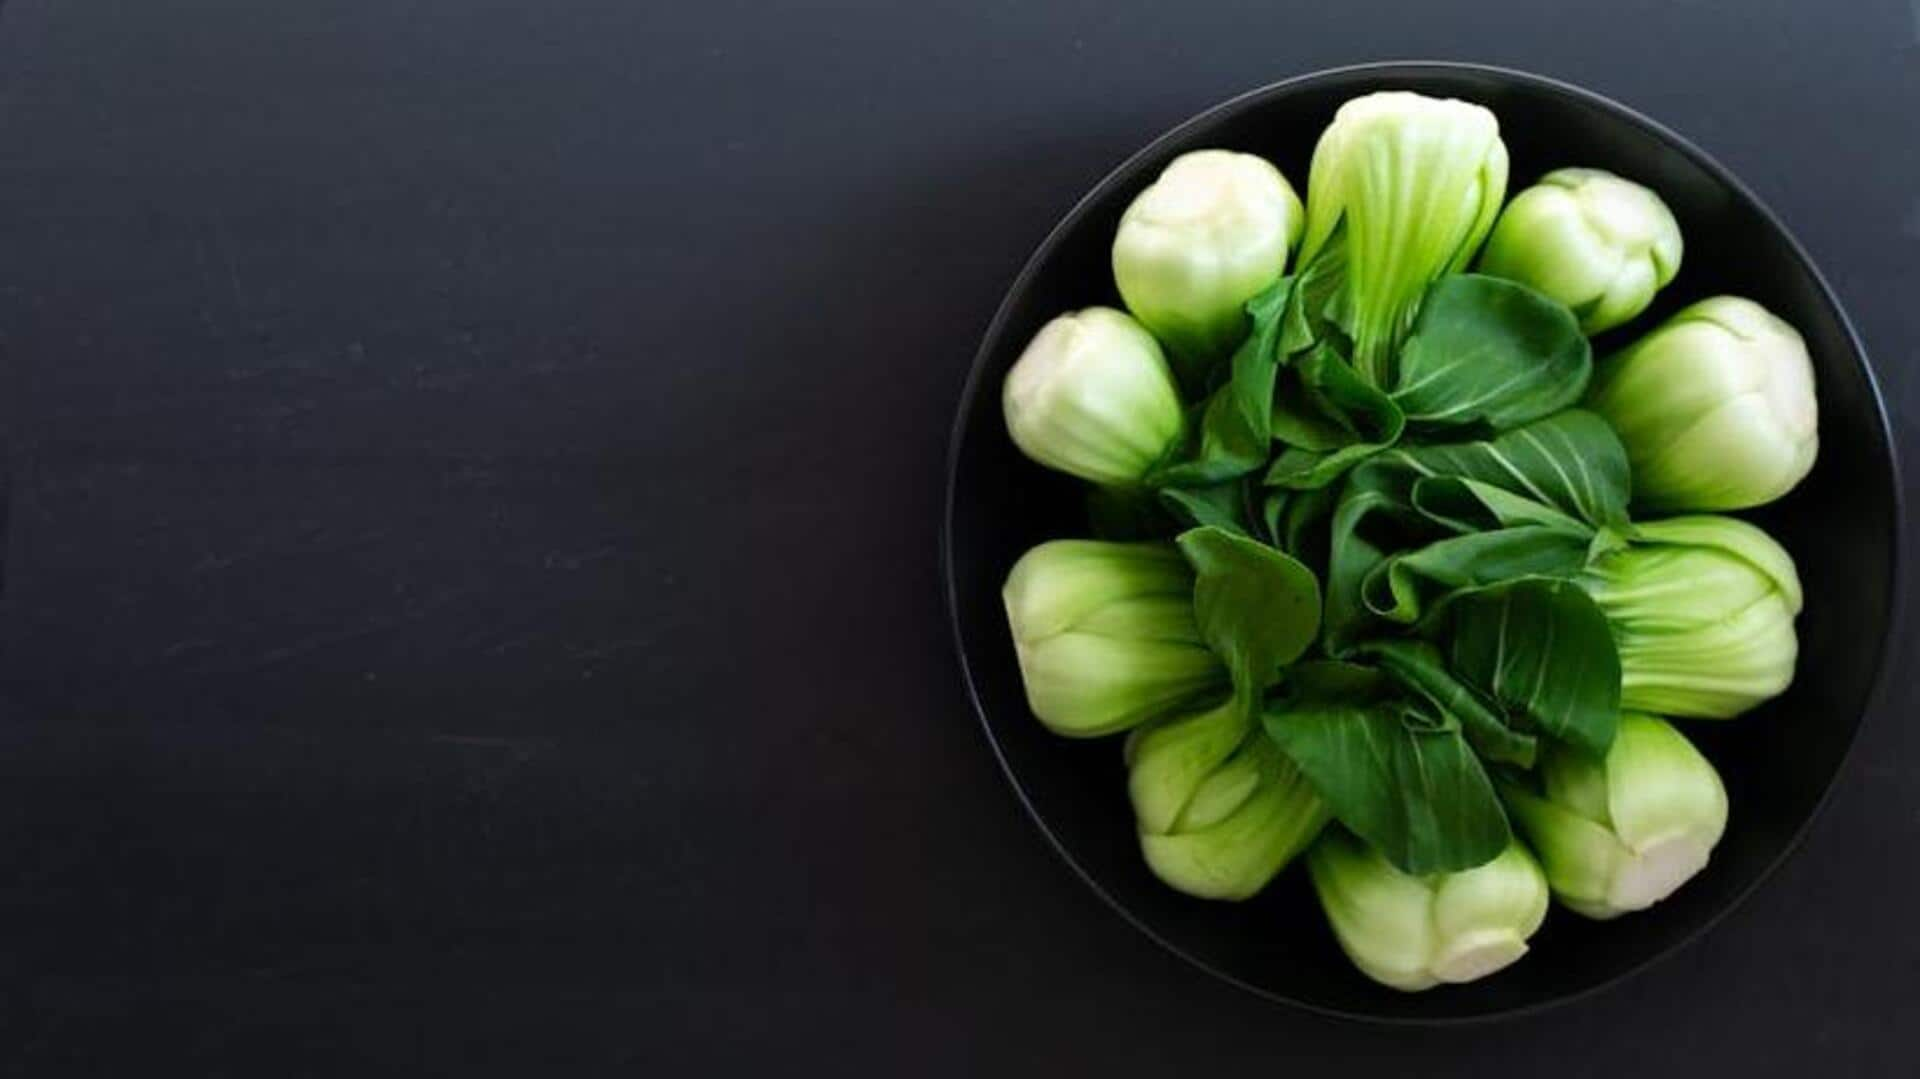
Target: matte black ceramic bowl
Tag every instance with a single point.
(1842, 526)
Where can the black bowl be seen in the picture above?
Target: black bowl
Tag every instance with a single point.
(1842, 526)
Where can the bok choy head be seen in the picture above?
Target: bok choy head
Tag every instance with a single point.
(1599, 243)
(1220, 810)
(1105, 634)
(1415, 932)
(1622, 832)
(1210, 234)
(1716, 408)
(1702, 611)
(1092, 396)
(1409, 185)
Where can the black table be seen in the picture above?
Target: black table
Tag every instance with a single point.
(471, 597)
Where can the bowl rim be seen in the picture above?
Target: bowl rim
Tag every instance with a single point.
(1122, 173)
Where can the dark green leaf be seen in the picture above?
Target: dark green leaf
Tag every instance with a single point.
(1418, 666)
(1233, 505)
(1374, 507)
(1319, 287)
(1273, 511)
(1465, 505)
(1485, 350)
(1331, 389)
(1257, 608)
(1404, 586)
(1571, 461)
(1337, 680)
(1298, 423)
(1327, 302)
(1566, 473)
(1397, 775)
(1300, 417)
(1302, 529)
(1339, 391)
(1306, 470)
(1236, 427)
(1541, 649)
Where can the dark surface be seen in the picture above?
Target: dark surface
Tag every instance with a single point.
(472, 597)
(1840, 525)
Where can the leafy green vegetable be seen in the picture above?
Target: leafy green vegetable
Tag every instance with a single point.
(1463, 505)
(1406, 528)
(1735, 537)
(1209, 234)
(1487, 351)
(1716, 408)
(1092, 396)
(1256, 607)
(1105, 634)
(1621, 832)
(1299, 422)
(1235, 431)
(1220, 810)
(1416, 182)
(1542, 650)
(1404, 586)
(1243, 823)
(1598, 243)
(1418, 666)
(1374, 512)
(1412, 932)
(1320, 289)
(1571, 461)
(1394, 771)
(1297, 522)
(1368, 418)
(1236, 505)
(1380, 455)
(1169, 759)
(1702, 611)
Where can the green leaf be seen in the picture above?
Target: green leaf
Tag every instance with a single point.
(1257, 608)
(1234, 505)
(1236, 427)
(1297, 422)
(1300, 418)
(1541, 649)
(1329, 388)
(1273, 515)
(1396, 774)
(1301, 529)
(1418, 666)
(1308, 470)
(1404, 586)
(1571, 461)
(1565, 473)
(1315, 311)
(1490, 351)
(1333, 679)
(1369, 521)
(1465, 505)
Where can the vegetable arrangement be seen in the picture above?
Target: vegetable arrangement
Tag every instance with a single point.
(1389, 573)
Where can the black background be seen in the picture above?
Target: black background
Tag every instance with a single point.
(471, 597)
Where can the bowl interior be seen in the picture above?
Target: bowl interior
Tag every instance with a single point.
(1778, 762)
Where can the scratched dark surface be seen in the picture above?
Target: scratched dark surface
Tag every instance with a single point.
(471, 600)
